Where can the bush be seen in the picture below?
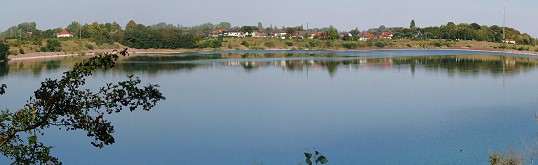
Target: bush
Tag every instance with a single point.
(409, 45)
(21, 51)
(350, 45)
(216, 44)
(380, 44)
(523, 48)
(53, 45)
(4, 52)
(437, 44)
(313, 43)
(450, 44)
(289, 43)
(269, 44)
(89, 46)
(329, 43)
(245, 43)
(536, 50)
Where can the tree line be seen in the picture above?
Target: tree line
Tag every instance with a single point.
(170, 36)
(464, 31)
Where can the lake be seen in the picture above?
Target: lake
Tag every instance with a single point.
(269, 107)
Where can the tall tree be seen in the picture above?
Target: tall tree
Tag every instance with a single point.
(4, 52)
(332, 33)
(224, 25)
(71, 27)
(412, 25)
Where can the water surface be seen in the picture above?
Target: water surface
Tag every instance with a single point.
(268, 107)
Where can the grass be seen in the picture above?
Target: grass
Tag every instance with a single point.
(76, 46)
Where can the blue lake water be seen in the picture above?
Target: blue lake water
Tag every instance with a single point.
(269, 107)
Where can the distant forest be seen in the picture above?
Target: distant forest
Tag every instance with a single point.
(170, 36)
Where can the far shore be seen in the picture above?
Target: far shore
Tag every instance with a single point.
(45, 55)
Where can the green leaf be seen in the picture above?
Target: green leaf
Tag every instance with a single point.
(308, 161)
(308, 155)
(322, 159)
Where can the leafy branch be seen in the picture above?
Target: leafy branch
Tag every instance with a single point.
(62, 103)
(318, 158)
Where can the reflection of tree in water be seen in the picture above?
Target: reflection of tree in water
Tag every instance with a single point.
(34, 67)
(471, 64)
(465, 64)
(4, 69)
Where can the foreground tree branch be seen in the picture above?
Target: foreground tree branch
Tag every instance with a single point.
(63, 103)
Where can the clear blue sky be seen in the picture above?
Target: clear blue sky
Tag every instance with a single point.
(343, 14)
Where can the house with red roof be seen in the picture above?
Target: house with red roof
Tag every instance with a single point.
(64, 33)
(386, 35)
(366, 36)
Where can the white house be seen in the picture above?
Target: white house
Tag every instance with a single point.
(64, 33)
(232, 33)
(510, 41)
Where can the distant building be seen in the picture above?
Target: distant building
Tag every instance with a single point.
(232, 33)
(366, 36)
(386, 35)
(510, 41)
(64, 33)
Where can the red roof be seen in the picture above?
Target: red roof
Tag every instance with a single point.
(64, 32)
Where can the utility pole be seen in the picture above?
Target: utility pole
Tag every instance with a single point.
(504, 23)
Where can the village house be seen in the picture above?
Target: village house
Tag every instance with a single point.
(280, 34)
(259, 33)
(64, 33)
(386, 35)
(366, 36)
(232, 33)
(215, 32)
(510, 41)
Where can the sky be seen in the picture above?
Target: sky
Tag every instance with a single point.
(343, 14)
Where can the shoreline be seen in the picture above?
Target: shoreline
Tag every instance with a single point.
(32, 56)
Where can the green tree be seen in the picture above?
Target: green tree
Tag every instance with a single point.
(53, 45)
(412, 25)
(332, 33)
(224, 25)
(4, 52)
(73, 26)
(248, 29)
(63, 104)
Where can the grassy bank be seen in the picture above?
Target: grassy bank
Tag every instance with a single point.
(83, 46)
(307, 44)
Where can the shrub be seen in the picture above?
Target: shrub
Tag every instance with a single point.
(21, 51)
(380, 44)
(437, 44)
(53, 45)
(409, 45)
(450, 44)
(350, 45)
(313, 43)
(536, 50)
(289, 43)
(230, 46)
(89, 46)
(245, 43)
(329, 43)
(13, 52)
(269, 44)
